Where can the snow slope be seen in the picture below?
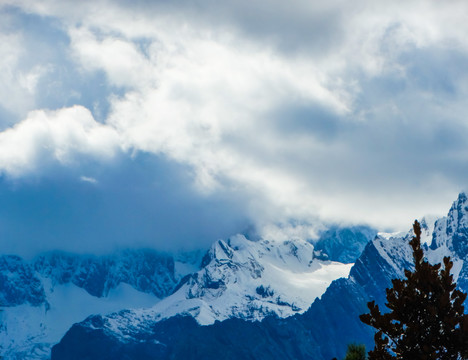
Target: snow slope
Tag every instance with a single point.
(320, 333)
(42, 298)
(237, 278)
(28, 332)
(247, 280)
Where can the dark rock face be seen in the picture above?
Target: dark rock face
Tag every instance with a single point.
(318, 334)
(18, 283)
(145, 270)
(231, 339)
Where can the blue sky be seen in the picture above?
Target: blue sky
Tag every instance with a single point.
(149, 123)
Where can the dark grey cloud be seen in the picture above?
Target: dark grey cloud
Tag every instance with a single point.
(312, 119)
(140, 202)
(305, 27)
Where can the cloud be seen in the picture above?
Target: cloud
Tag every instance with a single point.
(331, 111)
(14, 94)
(124, 64)
(88, 179)
(143, 201)
(58, 136)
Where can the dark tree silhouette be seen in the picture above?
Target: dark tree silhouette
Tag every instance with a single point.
(426, 318)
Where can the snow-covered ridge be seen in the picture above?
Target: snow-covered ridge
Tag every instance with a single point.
(395, 250)
(451, 232)
(447, 236)
(28, 332)
(19, 283)
(330, 323)
(40, 299)
(145, 270)
(248, 280)
(237, 278)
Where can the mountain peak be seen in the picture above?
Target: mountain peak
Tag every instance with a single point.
(250, 280)
(462, 197)
(451, 231)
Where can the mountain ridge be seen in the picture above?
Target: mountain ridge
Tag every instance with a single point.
(321, 333)
(236, 277)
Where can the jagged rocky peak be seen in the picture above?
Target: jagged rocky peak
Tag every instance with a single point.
(219, 251)
(383, 259)
(320, 333)
(344, 244)
(239, 251)
(146, 270)
(19, 284)
(42, 297)
(247, 297)
(451, 232)
(247, 279)
(252, 256)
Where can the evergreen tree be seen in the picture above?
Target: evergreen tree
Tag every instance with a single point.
(356, 352)
(426, 318)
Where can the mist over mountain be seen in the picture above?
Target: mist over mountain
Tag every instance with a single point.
(344, 244)
(322, 332)
(232, 166)
(237, 278)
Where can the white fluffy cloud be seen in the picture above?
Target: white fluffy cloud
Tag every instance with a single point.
(62, 136)
(326, 109)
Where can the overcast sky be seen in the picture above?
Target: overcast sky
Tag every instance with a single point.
(174, 123)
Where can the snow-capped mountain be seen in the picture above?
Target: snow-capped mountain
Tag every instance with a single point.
(237, 278)
(241, 279)
(322, 332)
(145, 270)
(250, 280)
(19, 283)
(40, 299)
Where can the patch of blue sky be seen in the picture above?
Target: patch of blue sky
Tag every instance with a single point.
(62, 82)
(437, 70)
